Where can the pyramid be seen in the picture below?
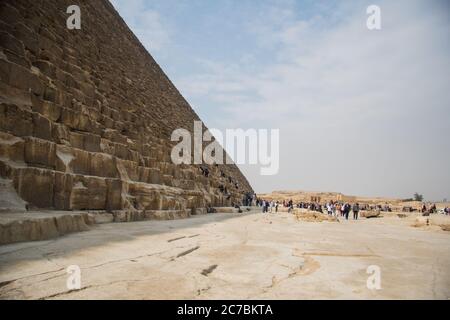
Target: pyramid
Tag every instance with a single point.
(86, 118)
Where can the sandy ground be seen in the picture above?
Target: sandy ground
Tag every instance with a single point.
(234, 256)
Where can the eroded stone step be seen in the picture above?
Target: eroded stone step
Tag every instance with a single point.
(37, 226)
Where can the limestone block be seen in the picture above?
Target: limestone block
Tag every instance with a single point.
(11, 147)
(167, 180)
(16, 120)
(81, 163)
(195, 202)
(60, 134)
(76, 120)
(199, 211)
(120, 150)
(46, 68)
(62, 191)
(128, 215)
(40, 152)
(145, 197)
(35, 186)
(155, 176)
(101, 218)
(144, 174)
(46, 108)
(42, 127)
(12, 44)
(103, 165)
(21, 78)
(172, 202)
(68, 223)
(151, 162)
(10, 201)
(37, 226)
(27, 36)
(128, 169)
(76, 140)
(91, 142)
(88, 193)
(116, 191)
(370, 214)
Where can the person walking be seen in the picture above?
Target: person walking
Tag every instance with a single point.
(355, 211)
(329, 209)
(346, 210)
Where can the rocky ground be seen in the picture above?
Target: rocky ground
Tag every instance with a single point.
(234, 256)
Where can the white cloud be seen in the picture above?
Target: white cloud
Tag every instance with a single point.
(359, 111)
(146, 24)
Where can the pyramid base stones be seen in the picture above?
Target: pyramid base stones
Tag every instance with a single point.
(144, 215)
(74, 136)
(37, 226)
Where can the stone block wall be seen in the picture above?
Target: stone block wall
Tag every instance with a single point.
(86, 116)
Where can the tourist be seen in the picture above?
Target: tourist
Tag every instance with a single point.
(290, 206)
(355, 211)
(330, 209)
(276, 206)
(346, 210)
(433, 209)
(338, 209)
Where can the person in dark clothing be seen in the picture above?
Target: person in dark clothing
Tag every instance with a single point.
(346, 210)
(355, 211)
(291, 206)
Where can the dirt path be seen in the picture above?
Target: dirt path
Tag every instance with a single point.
(232, 256)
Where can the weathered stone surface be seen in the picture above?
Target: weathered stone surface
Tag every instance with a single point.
(86, 119)
(10, 201)
(370, 214)
(36, 226)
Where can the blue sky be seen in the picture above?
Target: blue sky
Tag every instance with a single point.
(360, 112)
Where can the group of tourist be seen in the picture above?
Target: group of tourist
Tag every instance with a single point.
(343, 209)
(268, 206)
(432, 209)
(249, 199)
(332, 208)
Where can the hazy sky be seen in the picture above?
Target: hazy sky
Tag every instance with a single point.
(360, 112)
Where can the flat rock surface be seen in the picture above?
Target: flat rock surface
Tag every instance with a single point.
(234, 256)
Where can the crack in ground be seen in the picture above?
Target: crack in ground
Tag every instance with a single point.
(186, 252)
(208, 270)
(85, 288)
(8, 282)
(175, 239)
